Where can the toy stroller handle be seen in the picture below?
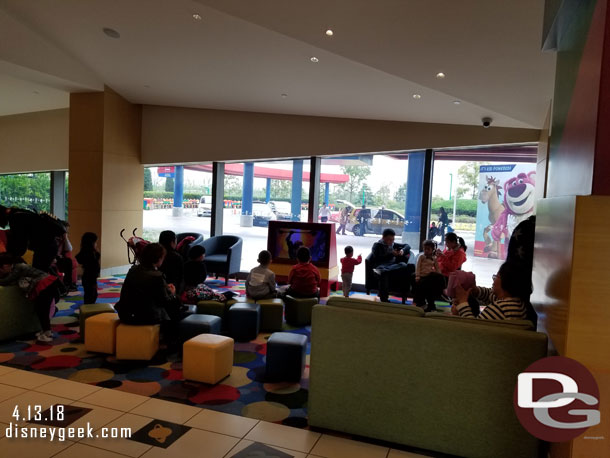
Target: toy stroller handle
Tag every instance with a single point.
(134, 231)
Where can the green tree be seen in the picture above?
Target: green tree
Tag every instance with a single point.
(468, 175)
(383, 195)
(401, 194)
(281, 189)
(232, 185)
(357, 176)
(31, 191)
(169, 184)
(369, 198)
(148, 184)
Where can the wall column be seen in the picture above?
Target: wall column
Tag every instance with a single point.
(106, 174)
(570, 296)
(268, 191)
(58, 194)
(247, 219)
(326, 192)
(297, 189)
(178, 207)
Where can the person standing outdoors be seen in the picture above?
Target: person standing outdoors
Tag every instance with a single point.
(324, 213)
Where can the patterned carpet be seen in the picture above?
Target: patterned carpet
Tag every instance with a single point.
(242, 393)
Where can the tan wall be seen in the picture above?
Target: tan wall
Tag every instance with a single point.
(571, 291)
(174, 135)
(106, 176)
(34, 142)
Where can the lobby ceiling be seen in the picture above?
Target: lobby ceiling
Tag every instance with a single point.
(256, 56)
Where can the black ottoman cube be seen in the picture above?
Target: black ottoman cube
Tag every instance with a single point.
(286, 353)
(244, 319)
(193, 325)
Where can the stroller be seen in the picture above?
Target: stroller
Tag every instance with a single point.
(135, 245)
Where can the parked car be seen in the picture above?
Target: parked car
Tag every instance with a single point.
(282, 210)
(205, 206)
(262, 214)
(374, 221)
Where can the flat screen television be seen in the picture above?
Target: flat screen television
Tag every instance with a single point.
(286, 237)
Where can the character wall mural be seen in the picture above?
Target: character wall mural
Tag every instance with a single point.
(506, 197)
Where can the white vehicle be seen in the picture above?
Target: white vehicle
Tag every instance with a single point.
(283, 210)
(205, 206)
(262, 214)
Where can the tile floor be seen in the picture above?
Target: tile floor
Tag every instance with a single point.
(212, 434)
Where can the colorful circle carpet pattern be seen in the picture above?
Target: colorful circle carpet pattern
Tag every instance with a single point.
(244, 392)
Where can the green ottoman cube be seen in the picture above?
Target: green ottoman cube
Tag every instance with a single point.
(298, 310)
(88, 310)
(272, 314)
(213, 308)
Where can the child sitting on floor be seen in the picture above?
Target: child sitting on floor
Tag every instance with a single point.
(347, 269)
(304, 278)
(260, 283)
(195, 273)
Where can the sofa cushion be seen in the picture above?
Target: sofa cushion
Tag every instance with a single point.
(216, 258)
(526, 325)
(383, 307)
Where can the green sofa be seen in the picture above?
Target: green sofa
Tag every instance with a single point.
(17, 315)
(433, 382)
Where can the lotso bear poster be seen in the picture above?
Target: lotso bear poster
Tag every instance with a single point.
(507, 196)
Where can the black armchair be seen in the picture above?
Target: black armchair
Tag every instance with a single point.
(399, 287)
(198, 241)
(223, 255)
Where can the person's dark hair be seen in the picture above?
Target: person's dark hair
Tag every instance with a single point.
(151, 254)
(462, 244)
(166, 238)
(387, 232)
(451, 237)
(349, 249)
(430, 243)
(515, 280)
(7, 258)
(195, 252)
(442, 210)
(264, 257)
(303, 254)
(87, 241)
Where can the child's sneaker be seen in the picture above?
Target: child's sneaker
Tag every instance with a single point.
(44, 337)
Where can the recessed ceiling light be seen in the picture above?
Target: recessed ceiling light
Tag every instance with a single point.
(314, 59)
(111, 32)
(440, 75)
(456, 102)
(197, 17)
(330, 33)
(416, 96)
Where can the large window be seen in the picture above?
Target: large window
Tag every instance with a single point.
(484, 201)
(26, 190)
(158, 201)
(256, 193)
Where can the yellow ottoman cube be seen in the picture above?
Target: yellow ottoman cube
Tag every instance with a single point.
(207, 358)
(137, 342)
(100, 335)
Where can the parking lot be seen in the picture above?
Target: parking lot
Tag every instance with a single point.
(255, 239)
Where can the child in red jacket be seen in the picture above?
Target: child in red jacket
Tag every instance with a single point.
(454, 255)
(304, 278)
(347, 269)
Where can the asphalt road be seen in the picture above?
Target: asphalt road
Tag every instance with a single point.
(255, 239)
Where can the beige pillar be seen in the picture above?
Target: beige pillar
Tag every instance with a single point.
(106, 175)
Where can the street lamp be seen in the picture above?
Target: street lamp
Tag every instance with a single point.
(450, 184)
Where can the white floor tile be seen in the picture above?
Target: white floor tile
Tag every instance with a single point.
(122, 445)
(25, 379)
(220, 422)
(98, 417)
(85, 451)
(165, 410)
(202, 444)
(6, 369)
(26, 400)
(114, 399)
(283, 436)
(338, 447)
(31, 448)
(68, 389)
(8, 391)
